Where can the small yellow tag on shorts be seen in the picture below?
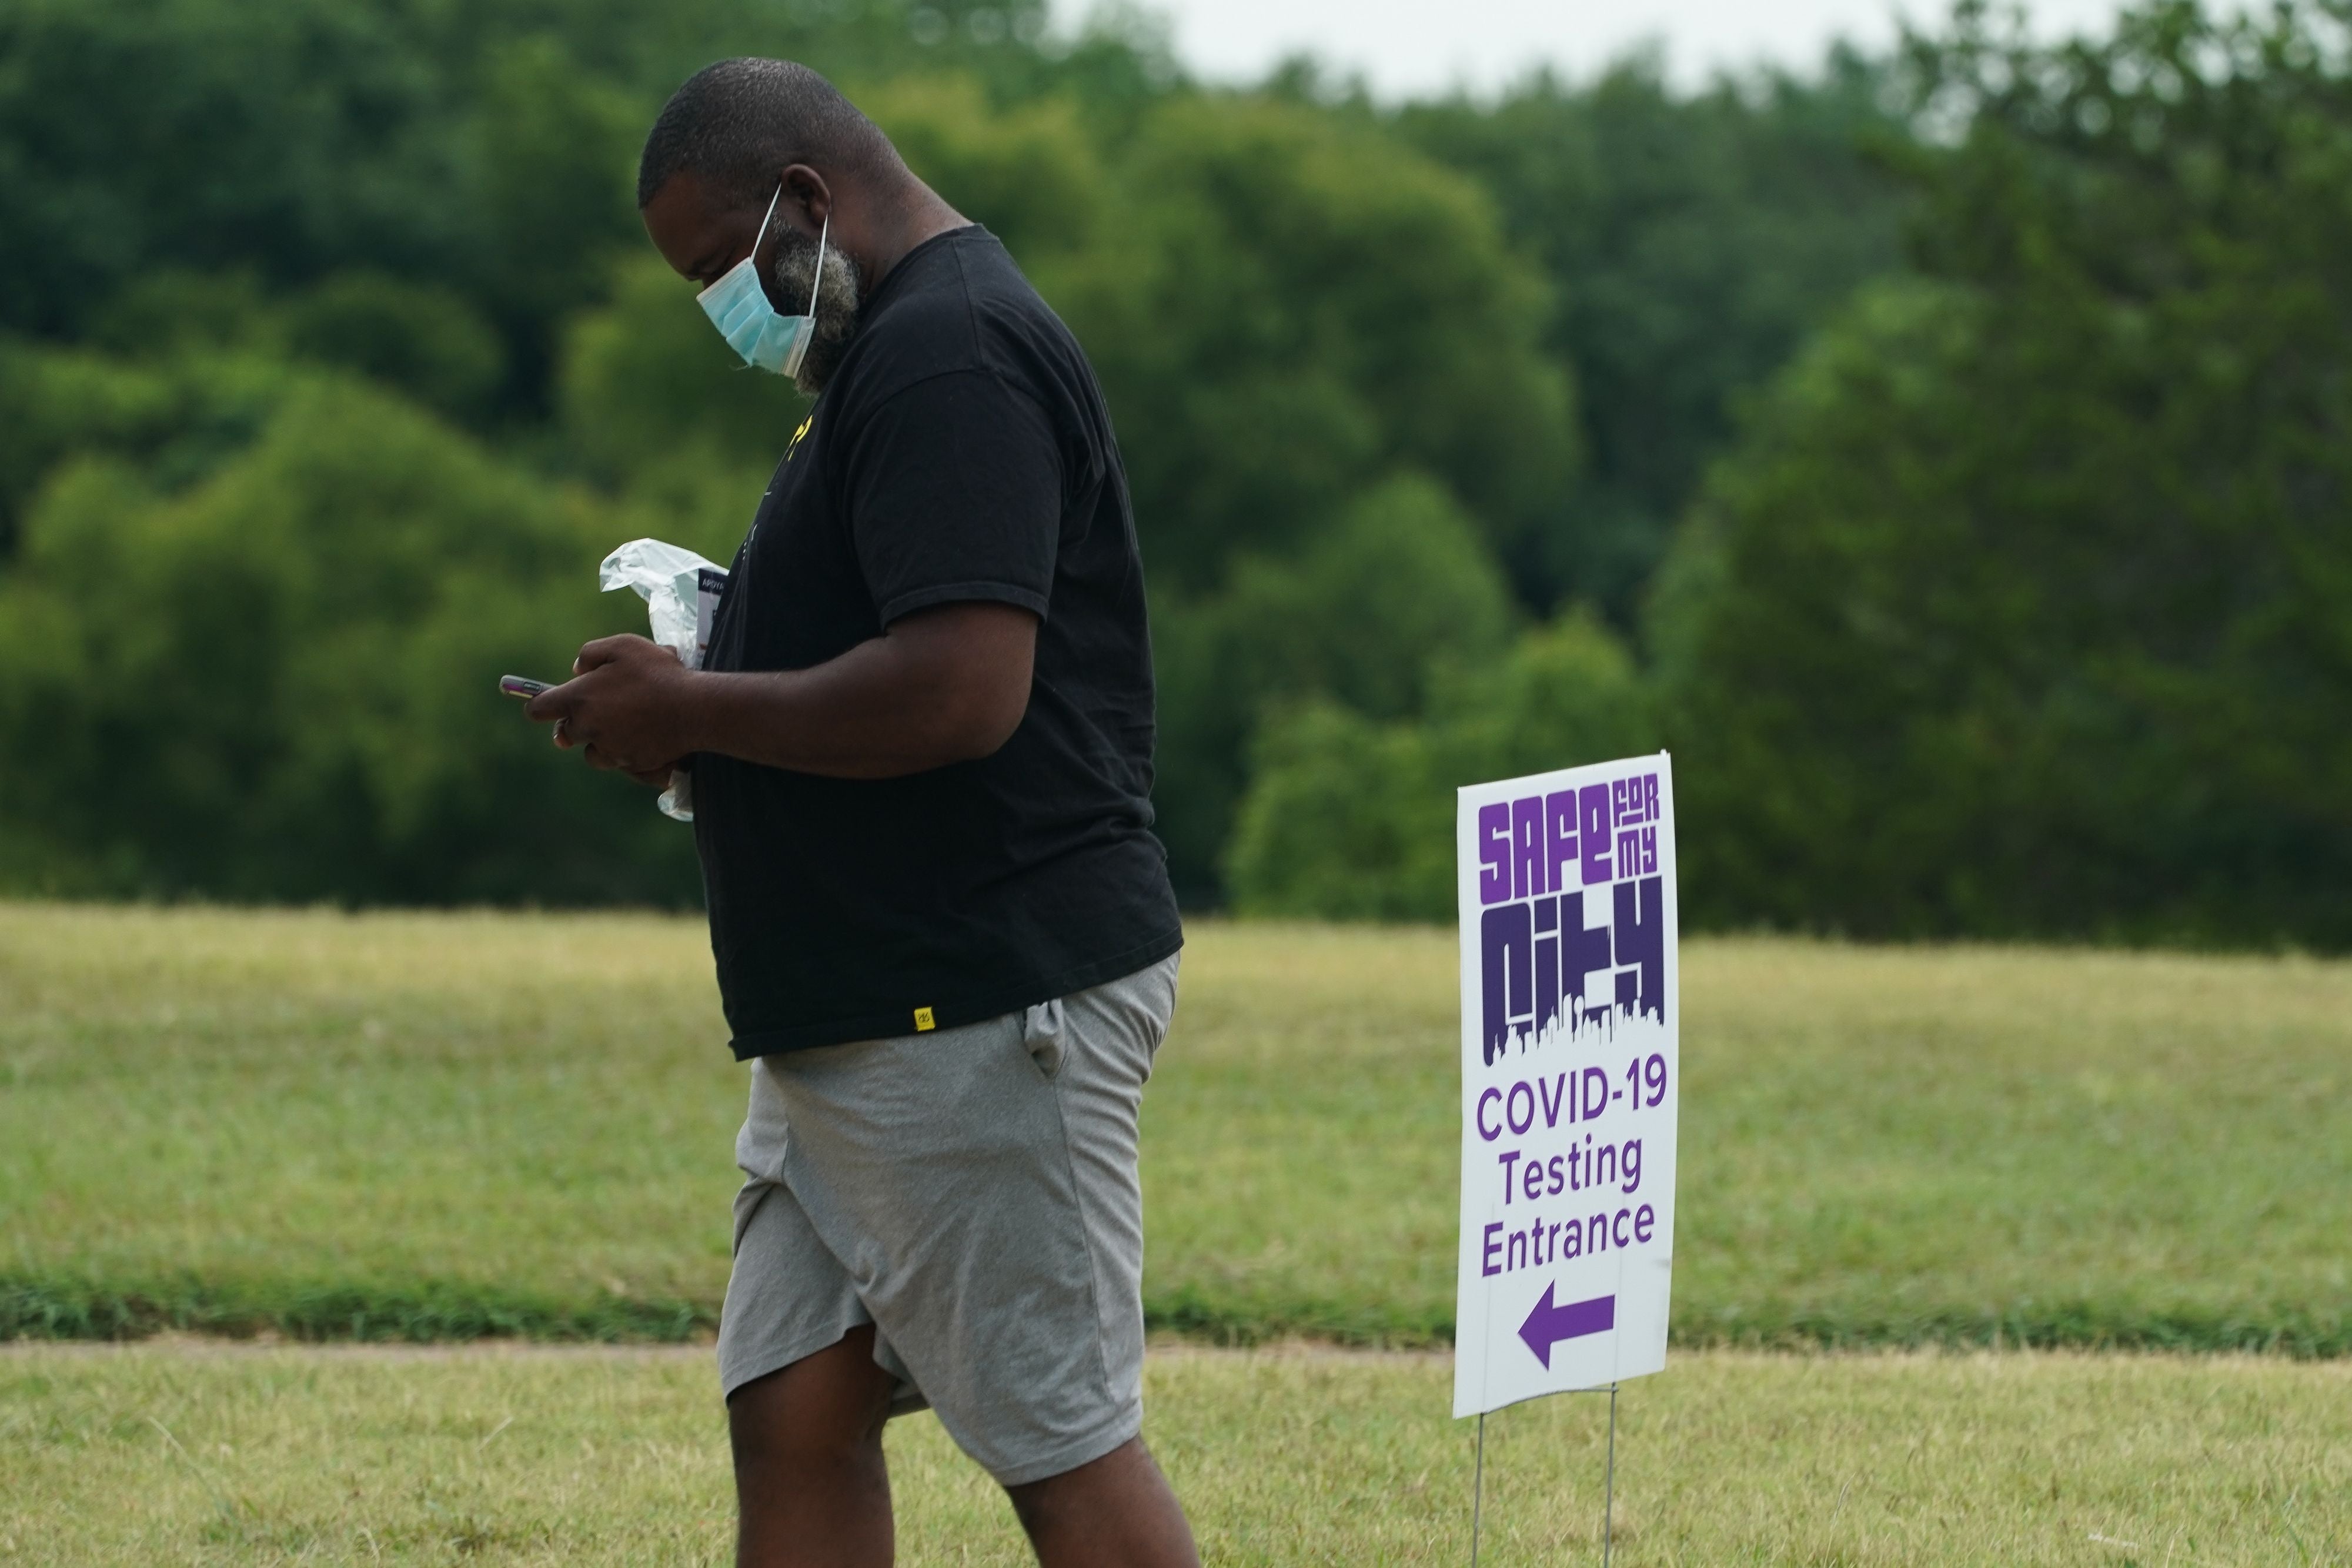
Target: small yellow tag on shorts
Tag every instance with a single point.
(923, 1019)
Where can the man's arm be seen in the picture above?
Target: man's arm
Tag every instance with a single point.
(949, 684)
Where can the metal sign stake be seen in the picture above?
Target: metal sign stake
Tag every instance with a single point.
(1609, 1491)
(1477, 1488)
(1607, 1494)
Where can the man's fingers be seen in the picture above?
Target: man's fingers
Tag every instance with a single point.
(580, 708)
(554, 703)
(606, 650)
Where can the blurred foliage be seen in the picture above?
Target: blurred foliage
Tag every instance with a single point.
(1291, 306)
(2030, 603)
(1939, 451)
(1695, 241)
(1353, 818)
(1400, 581)
(484, 147)
(276, 682)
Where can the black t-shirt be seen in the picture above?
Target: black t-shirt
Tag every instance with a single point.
(961, 452)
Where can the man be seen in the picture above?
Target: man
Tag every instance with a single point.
(921, 761)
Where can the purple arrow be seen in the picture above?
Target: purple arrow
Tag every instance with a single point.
(1548, 1325)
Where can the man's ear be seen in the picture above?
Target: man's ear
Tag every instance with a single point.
(806, 190)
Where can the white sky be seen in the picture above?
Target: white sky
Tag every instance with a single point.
(1415, 48)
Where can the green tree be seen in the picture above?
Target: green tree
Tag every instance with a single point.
(279, 681)
(2022, 609)
(1349, 817)
(1400, 582)
(421, 339)
(1692, 242)
(1032, 171)
(176, 414)
(1291, 305)
(1327, 370)
(485, 148)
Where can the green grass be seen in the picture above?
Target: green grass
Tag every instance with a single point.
(202, 1455)
(438, 1127)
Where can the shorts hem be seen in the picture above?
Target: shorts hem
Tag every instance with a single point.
(1127, 1425)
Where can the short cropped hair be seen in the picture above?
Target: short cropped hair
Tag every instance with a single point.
(734, 124)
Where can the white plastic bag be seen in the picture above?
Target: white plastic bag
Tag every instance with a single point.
(681, 593)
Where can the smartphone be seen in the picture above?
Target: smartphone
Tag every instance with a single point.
(523, 686)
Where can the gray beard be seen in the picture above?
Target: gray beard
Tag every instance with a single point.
(839, 294)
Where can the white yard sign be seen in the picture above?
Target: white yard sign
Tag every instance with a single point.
(1570, 1015)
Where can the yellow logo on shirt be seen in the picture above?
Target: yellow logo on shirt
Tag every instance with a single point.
(797, 435)
(923, 1019)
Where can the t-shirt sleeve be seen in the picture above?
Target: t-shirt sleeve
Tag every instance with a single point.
(955, 494)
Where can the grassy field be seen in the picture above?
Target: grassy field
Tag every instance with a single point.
(446, 1125)
(207, 1455)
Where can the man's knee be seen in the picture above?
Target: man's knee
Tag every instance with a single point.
(772, 1445)
(823, 1413)
(1037, 1502)
(1116, 1509)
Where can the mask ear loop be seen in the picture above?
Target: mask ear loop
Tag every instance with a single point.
(823, 229)
(765, 221)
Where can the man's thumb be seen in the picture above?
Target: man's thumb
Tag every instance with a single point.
(550, 704)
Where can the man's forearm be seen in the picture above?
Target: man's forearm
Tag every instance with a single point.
(838, 719)
(942, 687)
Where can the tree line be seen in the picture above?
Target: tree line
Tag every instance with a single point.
(1936, 452)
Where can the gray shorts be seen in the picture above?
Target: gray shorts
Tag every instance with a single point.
(972, 1192)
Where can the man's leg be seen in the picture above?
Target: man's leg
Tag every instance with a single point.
(1112, 1512)
(811, 1490)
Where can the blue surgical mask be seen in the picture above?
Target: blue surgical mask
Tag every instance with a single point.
(766, 338)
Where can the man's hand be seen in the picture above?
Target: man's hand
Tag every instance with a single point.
(625, 706)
